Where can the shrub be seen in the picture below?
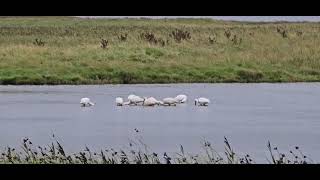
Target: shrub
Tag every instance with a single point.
(227, 33)
(104, 43)
(282, 31)
(152, 39)
(180, 35)
(123, 37)
(236, 40)
(299, 33)
(212, 39)
(38, 42)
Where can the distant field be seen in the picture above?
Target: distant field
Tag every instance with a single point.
(204, 51)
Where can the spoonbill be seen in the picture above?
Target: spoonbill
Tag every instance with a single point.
(151, 101)
(119, 102)
(86, 102)
(169, 101)
(131, 96)
(181, 98)
(133, 99)
(202, 101)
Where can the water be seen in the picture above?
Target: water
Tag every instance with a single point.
(247, 114)
(232, 18)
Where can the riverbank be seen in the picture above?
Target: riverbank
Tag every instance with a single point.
(66, 50)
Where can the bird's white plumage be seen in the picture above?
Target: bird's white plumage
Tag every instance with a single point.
(135, 99)
(181, 98)
(169, 101)
(119, 101)
(131, 96)
(126, 103)
(86, 102)
(202, 101)
(151, 101)
(160, 103)
(156, 101)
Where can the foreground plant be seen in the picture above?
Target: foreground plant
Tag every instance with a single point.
(139, 153)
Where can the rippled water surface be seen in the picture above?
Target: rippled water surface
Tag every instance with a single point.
(248, 114)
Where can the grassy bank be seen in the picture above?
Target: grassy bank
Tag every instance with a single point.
(70, 51)
(139, 153)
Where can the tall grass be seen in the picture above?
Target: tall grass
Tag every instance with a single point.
(137, 152)
(64, 50)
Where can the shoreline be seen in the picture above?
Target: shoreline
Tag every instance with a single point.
(165, 84)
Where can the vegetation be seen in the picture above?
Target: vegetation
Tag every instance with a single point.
(138, 153)
(67, 50)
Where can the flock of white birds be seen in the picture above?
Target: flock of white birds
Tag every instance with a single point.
(151, 101)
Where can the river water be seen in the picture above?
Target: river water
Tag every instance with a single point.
(247, 114)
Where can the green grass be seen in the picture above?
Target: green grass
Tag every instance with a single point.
(137, 152)
(72, 53)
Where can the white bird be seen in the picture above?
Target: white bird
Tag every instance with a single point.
(151, 101)
(133, 99)
(181, 98)
(86, 102)
(160, 103)
(202, 101)
(157, 101)
(169, 101)
(119, 102)
(131, 96)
